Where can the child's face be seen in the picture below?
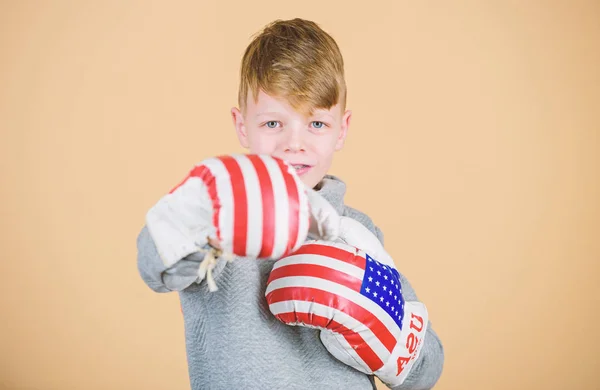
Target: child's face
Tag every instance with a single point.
(271, 126)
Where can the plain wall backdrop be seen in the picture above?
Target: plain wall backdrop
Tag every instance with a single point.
(474, 145)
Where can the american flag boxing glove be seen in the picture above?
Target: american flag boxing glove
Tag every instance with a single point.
(250, 205)
(357, 302)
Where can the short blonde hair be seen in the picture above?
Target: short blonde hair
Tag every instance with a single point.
(295, 60)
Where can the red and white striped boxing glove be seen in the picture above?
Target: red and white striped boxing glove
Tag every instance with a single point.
(245, 205)
(357, 302)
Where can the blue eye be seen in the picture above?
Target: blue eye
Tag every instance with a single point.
(318, 125)
(271, 124)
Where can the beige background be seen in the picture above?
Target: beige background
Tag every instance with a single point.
(474, 146)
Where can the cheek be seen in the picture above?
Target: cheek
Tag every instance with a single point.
(262, 144)
(325, 149)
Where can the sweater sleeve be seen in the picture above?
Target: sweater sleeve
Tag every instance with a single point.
(166, 279)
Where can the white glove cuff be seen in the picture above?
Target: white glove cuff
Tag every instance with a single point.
(325, 221)
(180, 222)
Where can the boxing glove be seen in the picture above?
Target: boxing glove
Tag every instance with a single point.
(235, 205)
(356, 301)
(356, 234)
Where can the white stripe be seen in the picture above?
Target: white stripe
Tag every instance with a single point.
(324, 261)
(225, 195)
(338, 289)
(254, 205)
(336, 315)
(304, 213)
(281, 199)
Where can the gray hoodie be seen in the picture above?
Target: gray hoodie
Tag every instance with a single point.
(234, 342)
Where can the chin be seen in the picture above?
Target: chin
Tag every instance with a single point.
(307, 181)
(311, 182)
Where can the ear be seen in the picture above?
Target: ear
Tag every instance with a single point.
(240, 128)
(345, 125)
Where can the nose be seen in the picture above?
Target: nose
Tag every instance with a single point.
(295, 141)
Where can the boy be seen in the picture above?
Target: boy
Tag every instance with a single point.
(292, 99)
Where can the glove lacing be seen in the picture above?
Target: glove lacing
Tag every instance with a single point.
(208, 264)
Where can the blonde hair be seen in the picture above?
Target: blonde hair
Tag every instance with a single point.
(295, 60)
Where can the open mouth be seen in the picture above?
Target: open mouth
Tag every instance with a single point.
(301, 168)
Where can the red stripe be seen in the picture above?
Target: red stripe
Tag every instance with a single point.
(333, 252)
(203, 173)
(240, 205)
(338, 302)
(268, 206)
(327, 251)
(294, 206)
(355, 341)
(304, 318)
(320, 271)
